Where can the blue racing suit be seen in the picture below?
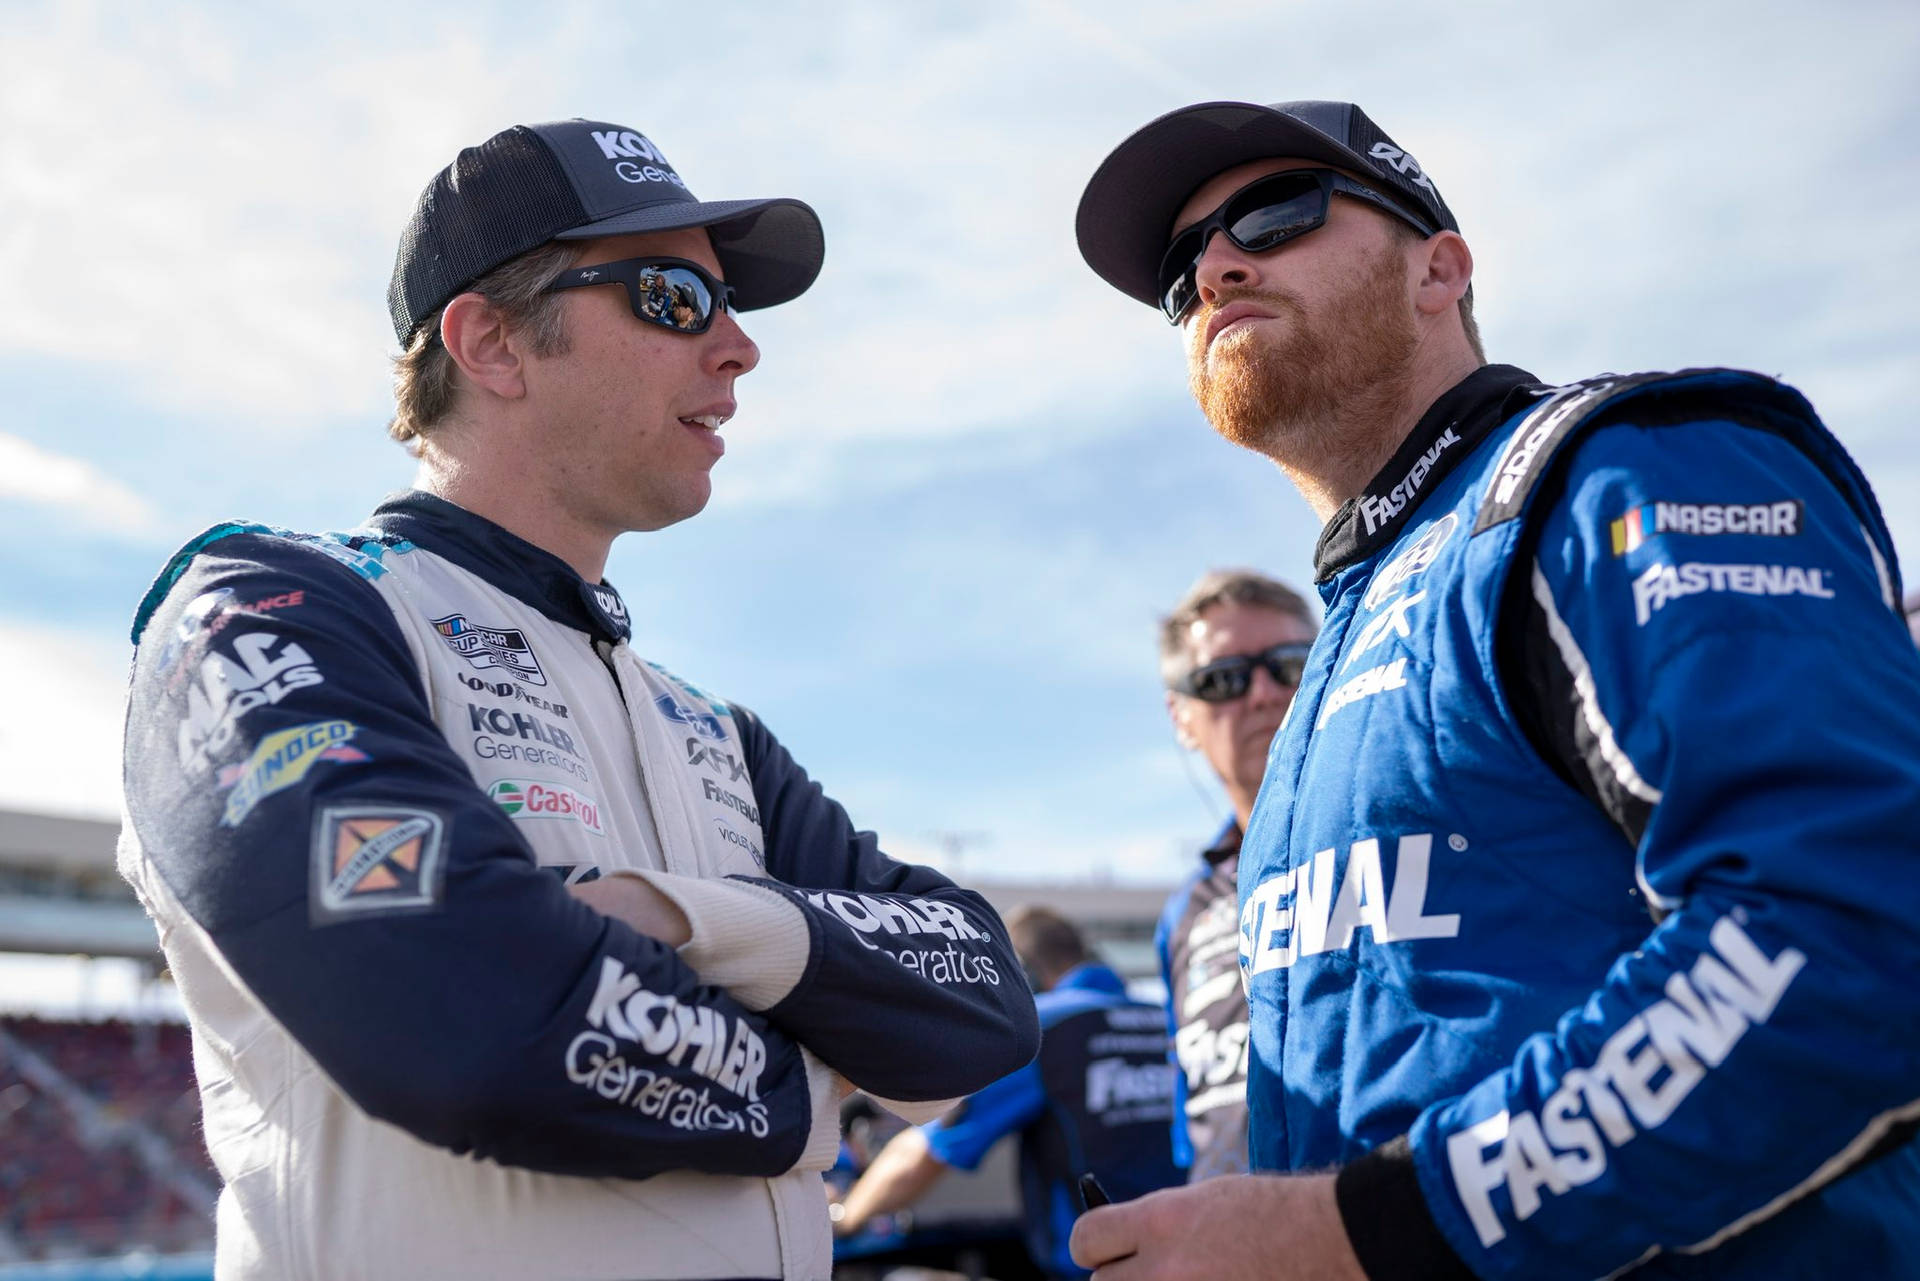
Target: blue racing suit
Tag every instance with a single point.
(1578, 909)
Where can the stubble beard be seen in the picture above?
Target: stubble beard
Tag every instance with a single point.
(1312, 395)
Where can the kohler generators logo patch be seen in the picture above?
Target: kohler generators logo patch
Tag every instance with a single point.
(635, 157)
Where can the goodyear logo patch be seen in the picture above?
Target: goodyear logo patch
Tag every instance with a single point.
(282, 759)
(375, 858)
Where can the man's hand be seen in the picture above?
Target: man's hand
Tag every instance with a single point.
(633, 901)
(1243, 1227)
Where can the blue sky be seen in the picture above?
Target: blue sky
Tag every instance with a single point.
(966, 477)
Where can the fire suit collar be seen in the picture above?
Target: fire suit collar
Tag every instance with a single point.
(1445, 434)
(1226, 843)
(505, 560)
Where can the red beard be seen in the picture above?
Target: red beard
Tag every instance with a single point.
(1280, 394)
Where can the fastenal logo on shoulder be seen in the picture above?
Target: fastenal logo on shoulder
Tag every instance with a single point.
(1662, 583)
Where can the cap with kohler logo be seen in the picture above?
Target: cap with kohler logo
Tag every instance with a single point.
(577, 180)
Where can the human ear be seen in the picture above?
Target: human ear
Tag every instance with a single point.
(481, 344)
(1448, 271)
(1177, 713)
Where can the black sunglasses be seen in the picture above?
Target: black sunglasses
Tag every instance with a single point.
(670, 292)
(1226, 679)
(1265, 213)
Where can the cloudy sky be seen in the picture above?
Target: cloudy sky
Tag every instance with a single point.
(966, 477)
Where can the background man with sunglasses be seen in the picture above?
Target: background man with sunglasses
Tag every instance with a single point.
(508, 953)
(1577, 908)
(1231, 654)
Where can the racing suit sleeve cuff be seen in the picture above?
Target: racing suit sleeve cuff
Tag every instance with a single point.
(746, 938)
(825, 1089)
(916, 1113)
(1387, 1220)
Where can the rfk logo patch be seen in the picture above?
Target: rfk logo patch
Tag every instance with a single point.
(375, 858)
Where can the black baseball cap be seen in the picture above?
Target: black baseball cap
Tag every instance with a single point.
(1127, 211)
(575, 180)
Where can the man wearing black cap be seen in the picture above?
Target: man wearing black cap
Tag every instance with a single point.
(509, 954)
(1577, 915)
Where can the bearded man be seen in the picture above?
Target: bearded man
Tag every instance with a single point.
(1577, 908)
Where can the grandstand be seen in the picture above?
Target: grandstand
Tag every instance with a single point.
(100, 1149)
(101, 1155)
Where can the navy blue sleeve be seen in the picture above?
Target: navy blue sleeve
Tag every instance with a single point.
(1747, 688)
(286, 780)
(1162, 946)
(912, 990)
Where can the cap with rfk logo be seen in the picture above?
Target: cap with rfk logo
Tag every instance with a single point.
(1127, 211)
(575, 180)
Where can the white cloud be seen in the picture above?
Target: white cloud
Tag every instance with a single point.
(31, 474)
(215, 217)
(60, 741)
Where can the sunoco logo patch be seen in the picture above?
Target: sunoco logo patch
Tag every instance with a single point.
(282, 759)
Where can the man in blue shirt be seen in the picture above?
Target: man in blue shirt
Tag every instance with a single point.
(1098, 1100)
(1578, 915)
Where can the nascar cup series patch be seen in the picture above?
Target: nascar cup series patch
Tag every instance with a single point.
(375, 858)
(489, 649)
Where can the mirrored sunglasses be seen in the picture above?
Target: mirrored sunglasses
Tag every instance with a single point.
(672, 293)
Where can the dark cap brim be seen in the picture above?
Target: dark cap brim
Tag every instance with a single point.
(1127, 211)
(770, 251)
